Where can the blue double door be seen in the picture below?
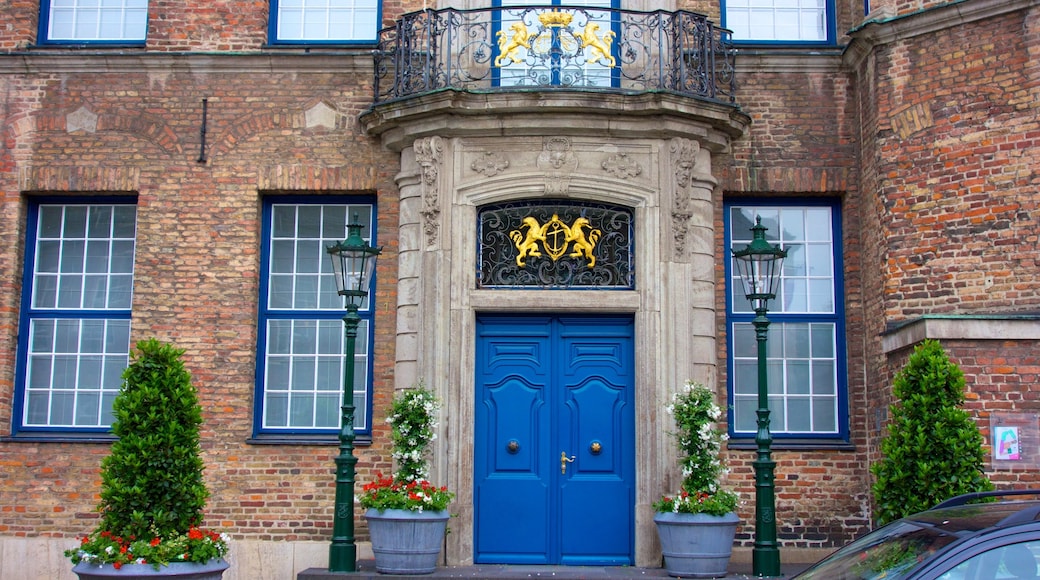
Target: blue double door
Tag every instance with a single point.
(554, 473)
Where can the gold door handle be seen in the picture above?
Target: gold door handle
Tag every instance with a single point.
(564, 460)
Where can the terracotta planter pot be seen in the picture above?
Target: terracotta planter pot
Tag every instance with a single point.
(212, 570)
(406, 542)
(696, 545)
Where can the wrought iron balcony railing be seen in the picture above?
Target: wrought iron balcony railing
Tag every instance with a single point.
(553, 47)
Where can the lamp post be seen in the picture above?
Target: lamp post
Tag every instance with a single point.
(353, 261)
(759, 265)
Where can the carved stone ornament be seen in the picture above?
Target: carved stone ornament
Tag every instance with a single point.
(558, 162)
(428, 155)
(684, 160)
(622, 166)
(489, 164)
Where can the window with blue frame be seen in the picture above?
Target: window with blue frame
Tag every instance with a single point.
(301, 334)
(572, 45)
(324, 21)
(74, 335)
(93, 21)
(780, 21)
(805, 345)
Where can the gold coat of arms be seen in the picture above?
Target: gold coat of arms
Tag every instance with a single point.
(555, 238)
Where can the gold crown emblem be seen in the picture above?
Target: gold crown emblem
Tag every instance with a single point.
(555, 18)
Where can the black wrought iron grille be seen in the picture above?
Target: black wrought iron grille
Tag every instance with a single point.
(554, 245)
(554, 47)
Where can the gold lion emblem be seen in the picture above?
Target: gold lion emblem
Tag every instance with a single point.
(509, 46)
(599, 48)
(580, 237)
(528, 244)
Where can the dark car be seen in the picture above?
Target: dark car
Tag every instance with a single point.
(969, 537)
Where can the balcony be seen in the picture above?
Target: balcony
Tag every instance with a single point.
(551, 48)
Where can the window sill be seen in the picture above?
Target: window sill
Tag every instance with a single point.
(793, 444)
(105, 438)
(317, 440)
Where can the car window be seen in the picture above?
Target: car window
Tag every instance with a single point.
(1014, 561)
(890, 552)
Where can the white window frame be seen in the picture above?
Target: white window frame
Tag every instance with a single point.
(780, 21)
(74, 339)
(301, 332)
(806, 359)
(94, 21)
(325, 21)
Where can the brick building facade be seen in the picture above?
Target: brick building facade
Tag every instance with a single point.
(902, 140)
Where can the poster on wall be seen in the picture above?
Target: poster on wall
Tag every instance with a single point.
(1015, 440)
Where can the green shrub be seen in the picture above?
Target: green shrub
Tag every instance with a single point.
(933, 449)
(151, 483)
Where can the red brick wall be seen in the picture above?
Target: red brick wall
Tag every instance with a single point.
(956, 133)
(196, 273)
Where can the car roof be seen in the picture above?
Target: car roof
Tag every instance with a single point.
(977, 517)
(947, 528)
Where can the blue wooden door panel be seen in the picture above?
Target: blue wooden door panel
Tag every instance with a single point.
(512, 486)
(597, 493)
(545, 386)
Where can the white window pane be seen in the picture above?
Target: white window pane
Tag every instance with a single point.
(278, 373)
(329, 374)
(799, 414)
(86, 27)
(795, 262)
(278, 336)
(315, 25)
(66, 336)
(37, 409)
(304, 337)
(303, 374)
(276, 410)
(39, 372)
(45, 292)
(92, 336)
(796, 340)
(797, 375)
(330, 338)
(306, 293)
(280, 292)
(309, 221)
(818, 257)
(744, 341)
(825, 416)
(795, 296)
(821, 296)
(823, 378)
(135, 25)
(744, 414)
(107, 417)
(62, 405)
(95, 291)
(301, 410)
(327, 412)
(89, 373)
(745, 377)
(309, 256)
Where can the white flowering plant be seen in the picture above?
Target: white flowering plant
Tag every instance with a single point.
(700, 440)
(413, 423)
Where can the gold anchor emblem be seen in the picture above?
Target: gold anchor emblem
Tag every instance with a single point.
(555, 237)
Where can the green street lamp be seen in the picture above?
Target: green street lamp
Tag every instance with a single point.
(759, 265)
(353, 261)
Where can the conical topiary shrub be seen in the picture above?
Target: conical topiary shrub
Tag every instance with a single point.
(152, 491)
(933, 449)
